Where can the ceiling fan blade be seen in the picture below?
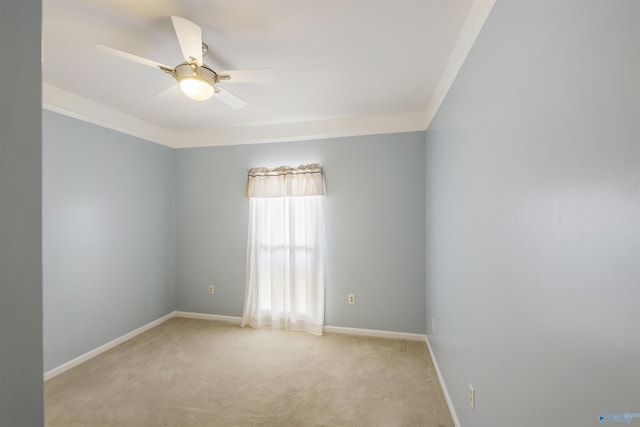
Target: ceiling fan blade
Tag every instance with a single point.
(189, 37)
(134, 58)
(171, 92)
(230, 99)
(258, 75)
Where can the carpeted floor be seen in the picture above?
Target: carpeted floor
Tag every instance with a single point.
(188, 372)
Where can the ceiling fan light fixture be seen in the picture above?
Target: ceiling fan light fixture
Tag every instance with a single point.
(197, 82)
(196, 88)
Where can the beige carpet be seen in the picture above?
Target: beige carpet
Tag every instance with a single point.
(188, 372)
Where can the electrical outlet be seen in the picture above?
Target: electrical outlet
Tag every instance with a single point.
(211, 290)
(433, 325)
(472, 397)
(352, 299)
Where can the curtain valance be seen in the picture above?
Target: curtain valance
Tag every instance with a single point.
(285, 181)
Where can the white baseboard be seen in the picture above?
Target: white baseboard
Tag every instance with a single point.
(374, 333)
(190, 315)
(403, 336)
(334, 329)
(443, 386)
(236, 320)
(96, 351)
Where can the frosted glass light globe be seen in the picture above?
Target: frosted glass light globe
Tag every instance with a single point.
(196, 88)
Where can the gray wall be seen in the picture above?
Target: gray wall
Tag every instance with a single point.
(20, 215)
(374, 226)
(108, 235)
(533, 217)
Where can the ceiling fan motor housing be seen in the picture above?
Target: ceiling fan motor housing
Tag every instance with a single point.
(196, 81)
(201, 72)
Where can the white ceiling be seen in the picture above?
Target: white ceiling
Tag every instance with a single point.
(341, 66)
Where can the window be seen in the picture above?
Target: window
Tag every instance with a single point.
(285, 248)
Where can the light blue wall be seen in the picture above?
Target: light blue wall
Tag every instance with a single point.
(20, 215)
(108, 235)
(533, 217)
(374, 226)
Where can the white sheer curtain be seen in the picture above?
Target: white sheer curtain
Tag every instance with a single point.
(285, 249)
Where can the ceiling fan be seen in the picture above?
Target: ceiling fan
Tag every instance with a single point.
(195, 79)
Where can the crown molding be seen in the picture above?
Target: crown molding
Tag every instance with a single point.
(478, 14)
(78, 107)
(72, 105)
(301, 131)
